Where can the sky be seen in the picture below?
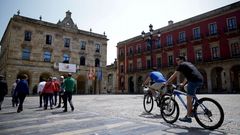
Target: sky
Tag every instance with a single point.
(119, 19)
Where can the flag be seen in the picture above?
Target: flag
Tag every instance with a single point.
(91, 73)
(99, 74)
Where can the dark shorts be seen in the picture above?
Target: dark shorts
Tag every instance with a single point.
(192, 87)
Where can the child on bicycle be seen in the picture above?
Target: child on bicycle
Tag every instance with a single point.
(158, 81)
(194, 79)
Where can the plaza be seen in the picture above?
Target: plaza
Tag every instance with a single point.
(108, 114)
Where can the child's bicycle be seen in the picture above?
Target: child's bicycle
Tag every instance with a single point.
(207, 112)
(148, 99)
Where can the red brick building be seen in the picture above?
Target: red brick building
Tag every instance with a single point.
(211, 41)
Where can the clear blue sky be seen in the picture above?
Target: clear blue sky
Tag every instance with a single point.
(120, 19)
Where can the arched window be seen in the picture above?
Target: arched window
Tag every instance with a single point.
(82, 60)
(97, 62)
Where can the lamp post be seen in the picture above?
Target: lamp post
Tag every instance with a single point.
(150, 40)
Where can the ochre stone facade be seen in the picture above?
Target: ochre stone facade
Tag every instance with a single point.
(36, 48)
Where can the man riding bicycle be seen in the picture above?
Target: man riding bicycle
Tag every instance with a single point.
(194, 79)
(158, 79)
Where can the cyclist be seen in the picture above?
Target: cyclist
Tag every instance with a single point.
(158, 79)
(193, 79)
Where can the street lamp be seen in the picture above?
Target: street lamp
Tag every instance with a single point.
(150, 40)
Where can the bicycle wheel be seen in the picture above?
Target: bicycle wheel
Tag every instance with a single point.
(148, 103)
(208, 113)
(169, 110)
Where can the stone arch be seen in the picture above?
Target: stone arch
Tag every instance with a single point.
(122, 84)
(235, 79)
(29, 80)
(204, 86)
(130, 85)
(81, 84)
(20, 73)
(44, 76)
(218, 80)
(139, 84)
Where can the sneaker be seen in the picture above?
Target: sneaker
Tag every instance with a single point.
(64, 110)
(186, 119)
(72, 108)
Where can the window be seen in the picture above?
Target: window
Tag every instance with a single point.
(66, 42)
(47, 56)
(235, 48)
(130, 67)
(49, 39)
(139, 49)
(170, 60)
(198, 55)
(98, 48)
(169, 40)
(139, 64)
(158, 43)
(26, 54)
(121, 52)
(159, 62)
(196, 33)
(82, 61)
(232, 23)
(66, 58)
(215, 52)
(97, 62)
(122, 69)
(212, 29)
(83, 45)
(130, 51)
(182, 37)
(27, 36)
(148, 45)
(149, 64)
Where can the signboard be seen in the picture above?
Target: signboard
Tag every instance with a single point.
(65, 67)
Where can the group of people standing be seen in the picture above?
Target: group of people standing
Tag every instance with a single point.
(50, 89)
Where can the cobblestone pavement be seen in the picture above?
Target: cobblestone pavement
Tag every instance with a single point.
(108, 115)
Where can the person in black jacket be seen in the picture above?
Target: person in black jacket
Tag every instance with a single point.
(22, 90)
(3, 90)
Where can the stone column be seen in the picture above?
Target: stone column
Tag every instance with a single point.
(228, 79)
(209, 80)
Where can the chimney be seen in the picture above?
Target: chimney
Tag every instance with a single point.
(170, 22)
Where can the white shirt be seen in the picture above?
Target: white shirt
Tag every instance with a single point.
(41, 86)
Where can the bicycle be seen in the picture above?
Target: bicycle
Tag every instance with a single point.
(148, 101)
(207, 112)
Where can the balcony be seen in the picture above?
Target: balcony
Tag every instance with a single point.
(181, 42)
(197, 39)
(213, 35)
(232, 30)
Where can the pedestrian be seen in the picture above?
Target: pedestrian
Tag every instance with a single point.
(3, 90)
(193, 79)
(40, 93)
(14, 97)
(69, 86)
(48, 93)
(21, 91)
(61, 92)
(55, 90)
